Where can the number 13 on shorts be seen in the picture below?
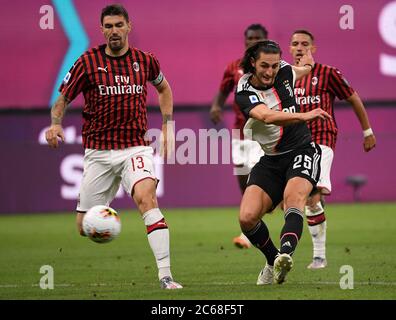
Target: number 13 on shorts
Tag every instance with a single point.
(137, 163)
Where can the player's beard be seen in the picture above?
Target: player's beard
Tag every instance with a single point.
(116, 46)
(267, 82)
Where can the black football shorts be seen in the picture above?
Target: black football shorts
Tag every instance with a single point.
(271, 173)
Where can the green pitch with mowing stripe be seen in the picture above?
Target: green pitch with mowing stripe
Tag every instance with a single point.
(203, 257)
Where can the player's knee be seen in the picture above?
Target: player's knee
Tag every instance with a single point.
(296, 200)
(146, 202)
(248, 219)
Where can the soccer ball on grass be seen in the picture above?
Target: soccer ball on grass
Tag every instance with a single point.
(101, 224)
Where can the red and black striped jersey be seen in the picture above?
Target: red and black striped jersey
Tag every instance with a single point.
(318, 90)
(115, 91)
(231, 76)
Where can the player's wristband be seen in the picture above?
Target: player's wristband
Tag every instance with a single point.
(368, 132)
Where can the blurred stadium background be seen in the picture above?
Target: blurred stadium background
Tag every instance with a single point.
(193, 40)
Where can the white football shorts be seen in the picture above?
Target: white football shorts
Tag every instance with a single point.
(326, 161)
(246, 153)
(104, 170)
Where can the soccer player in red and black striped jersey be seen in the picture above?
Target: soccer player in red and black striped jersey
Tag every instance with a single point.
(245, 153)
(113, 79)
(319, 90)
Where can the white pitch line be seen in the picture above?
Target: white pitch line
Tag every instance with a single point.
(363, 283)
(357, 283)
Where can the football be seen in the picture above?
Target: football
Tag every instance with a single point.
(101, 224)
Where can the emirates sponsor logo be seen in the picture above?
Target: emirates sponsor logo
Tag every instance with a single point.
(299, 91)
(120, 89)
(308, 100)
(121, 86)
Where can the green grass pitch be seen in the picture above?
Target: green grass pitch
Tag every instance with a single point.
(203, 257)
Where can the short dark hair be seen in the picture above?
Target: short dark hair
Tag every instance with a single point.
(257, 26)
(114, 10)
(265, 46)
(304, 31)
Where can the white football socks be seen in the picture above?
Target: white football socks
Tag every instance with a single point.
(318, 235)
(158, 238)
(317, 231)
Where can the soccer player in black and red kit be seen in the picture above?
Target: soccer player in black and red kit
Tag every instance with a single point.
(318, 90)
(113, 79)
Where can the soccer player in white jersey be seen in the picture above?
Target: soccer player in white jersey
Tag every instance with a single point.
(290, 167)
(245, 152)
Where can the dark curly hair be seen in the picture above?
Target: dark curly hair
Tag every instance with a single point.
(265, 46)
(257, 26)
(114, 10)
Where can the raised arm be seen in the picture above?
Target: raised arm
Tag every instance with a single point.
(55, 131)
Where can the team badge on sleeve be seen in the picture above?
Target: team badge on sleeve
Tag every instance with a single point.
(253, 99)
(66, 78)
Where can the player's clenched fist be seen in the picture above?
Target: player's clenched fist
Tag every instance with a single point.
(54, 132)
